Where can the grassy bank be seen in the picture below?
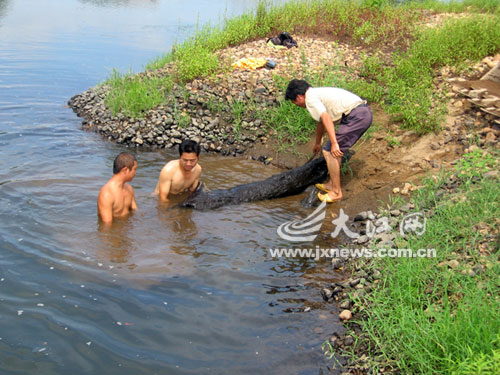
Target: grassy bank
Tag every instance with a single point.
(403, 85)
(440, 315)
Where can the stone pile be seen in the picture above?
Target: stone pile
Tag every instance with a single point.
(483, 93)
(225, 113)
(470, 122)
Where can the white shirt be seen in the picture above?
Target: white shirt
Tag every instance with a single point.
(332, 100)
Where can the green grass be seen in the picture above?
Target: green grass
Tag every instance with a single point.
(132, 95)
(291, 124)
(424, 318)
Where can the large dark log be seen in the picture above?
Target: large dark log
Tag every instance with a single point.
(279, 185)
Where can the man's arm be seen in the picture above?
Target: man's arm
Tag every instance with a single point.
(133, 203)
(330, 129)
(197, 180)
(320, 130)
(105, 206)
(165, 183)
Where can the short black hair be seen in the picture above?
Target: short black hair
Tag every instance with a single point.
(189, 146)
(296, 87)
(124, 160)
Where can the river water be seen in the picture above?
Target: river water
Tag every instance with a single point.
(167, 291)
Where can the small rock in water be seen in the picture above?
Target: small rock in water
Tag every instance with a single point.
(326, 294)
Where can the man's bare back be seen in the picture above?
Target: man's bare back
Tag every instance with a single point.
(181, 175)
(116, 198)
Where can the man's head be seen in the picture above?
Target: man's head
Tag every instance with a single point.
(125, 160)
(296, 92)
(189, 151)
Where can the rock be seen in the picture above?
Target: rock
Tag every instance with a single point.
(490, 138)
(318, 330)
(326, 294)
(406, 188)
(362, 239)
(334, 340)
(345, 315)
(348, 340)
(395, 212)
(354, 282)
(337, 290)
(407, 207)
(361, 216)
(345, 305)
(395, 190)
(435, 146)
(337, 263)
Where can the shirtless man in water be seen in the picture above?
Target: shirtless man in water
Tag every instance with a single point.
(116, 198)
(181, 175)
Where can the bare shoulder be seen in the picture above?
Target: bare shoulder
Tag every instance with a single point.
(106, 191)
(106, 195)
(170, 167)
(198, 170)
(129, 188)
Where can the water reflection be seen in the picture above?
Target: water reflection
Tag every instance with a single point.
(4, 5)
(116, 244)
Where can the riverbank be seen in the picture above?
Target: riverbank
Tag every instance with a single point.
(227, 113)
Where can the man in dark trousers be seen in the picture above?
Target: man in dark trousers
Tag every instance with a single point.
(327, 105)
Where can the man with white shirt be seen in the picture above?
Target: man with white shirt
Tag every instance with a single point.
(327, 105)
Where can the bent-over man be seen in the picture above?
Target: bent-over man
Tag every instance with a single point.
(181, 175)
(326, 105)
(116, 198)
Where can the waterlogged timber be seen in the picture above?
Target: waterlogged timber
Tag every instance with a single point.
(291, 182)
